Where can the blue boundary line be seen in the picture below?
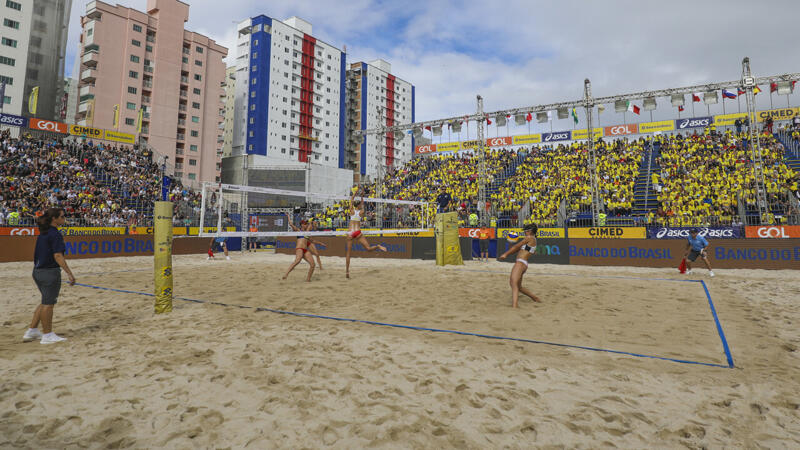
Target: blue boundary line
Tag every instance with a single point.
(719, 326)
(416, 328)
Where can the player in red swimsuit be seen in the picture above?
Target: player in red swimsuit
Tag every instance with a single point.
(301, 249)
(354, 233)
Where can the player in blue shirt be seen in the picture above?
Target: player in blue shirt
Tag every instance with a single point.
(696, 246)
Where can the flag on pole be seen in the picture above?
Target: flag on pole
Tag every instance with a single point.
(695, 96)
(633, 108)
(728, 94)
(680, 108)
(116, 117)
(33, 100)
(756, 90)
(139, 123)
(773, 87)
(574, 116)
(488, 120)
(529, 117)
(740, 91)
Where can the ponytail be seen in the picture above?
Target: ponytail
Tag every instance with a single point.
(46, 219)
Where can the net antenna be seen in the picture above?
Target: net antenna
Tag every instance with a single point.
(329, 211)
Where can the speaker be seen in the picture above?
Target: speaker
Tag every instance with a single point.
(456, 126)
(677, 100)
(784, 87)
(519, 119)
(542, 117)
(620, 106)
(649, 104)
(500, 120)
(563, 113)
(437, 130)
(710, 98)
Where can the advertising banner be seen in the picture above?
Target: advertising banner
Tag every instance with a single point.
(548, 251)
(448, 147)
(694, 122)
(498, 141)
(557, 136)
(652, 127)
(551, 233)
(475, 233)
(19, 231)
(608, 233)
(777, 114)
(92, 231)
(88, 132)
(116, 136)
(470, 144)
(706, 232)
(12, 120)
(773, 231)
(621, 130)
(48, 125)
(726, 120)
(20, 248)
(723, 254)
(396, 247)
(527, 139)
(423, 149)
(584, 134)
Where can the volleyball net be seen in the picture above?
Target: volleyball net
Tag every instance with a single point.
(229, 210)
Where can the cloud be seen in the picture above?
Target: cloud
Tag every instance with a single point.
(519, 53)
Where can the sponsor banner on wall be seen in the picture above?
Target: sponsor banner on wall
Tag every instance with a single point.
(706, 232)
(621, 130)
(652, 127)
(777, 114)
(116, 136)
(448, 147)
(89, 132)
(13, 120)
(470, 144)
(548, 251)
(475, 233)
(608, 233)
(726, 120)
(584, 134)
(527, 139)
(19, 231)
(65, 231)
(773, 231)
(693, 122)
(423, 149)
(556, 136)
(499, 141)
(48, 125)
(723, 254)
(552, 233)
(20, 248)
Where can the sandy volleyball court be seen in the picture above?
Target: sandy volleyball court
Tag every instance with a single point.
(210, 376)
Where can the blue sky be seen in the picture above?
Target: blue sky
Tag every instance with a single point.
(520, 53)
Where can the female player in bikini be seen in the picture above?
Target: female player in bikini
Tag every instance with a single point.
(311, 225)
(356, 214)
(301, 249)
(526, 247)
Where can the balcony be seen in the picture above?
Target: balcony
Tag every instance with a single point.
(83, 107)
(145, 130)
(146, 100)
(178, 166)
(181, 137)
(91, 48)
(181, 122)
(184, 93)
(88, 76)
(92, 12)
(181, 107)
(89, 59)
(178, 151)
(148, 69)
(147, 84)
(184, 80)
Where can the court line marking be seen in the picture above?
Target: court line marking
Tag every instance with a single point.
(719, 327)
(416, 328)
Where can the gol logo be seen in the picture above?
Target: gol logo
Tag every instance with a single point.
(497, 142)
(21, 232)
(47, 125)
(771, 232)
(426, 149)
(619, 130)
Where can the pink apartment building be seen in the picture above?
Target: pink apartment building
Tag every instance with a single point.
(147, 61)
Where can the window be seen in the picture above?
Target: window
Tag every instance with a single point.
(196, 91)
(252, 94)
(194, 133)
(130, 121)
(198, 63)
(192, 176)
(7, 100)
(185, 60)
(252, 107)
(13, 5)
(253, 69)
(10, 42)
(90, 32)
(133, 74)
(255, 55)
(136, 43)
(195, 105)
(137, 28)
(148, 48)
(198, 77)
(8, 61)
(195, 119)
(7, 80)
(193, 148)
(253, 81)
(11, 23)
(131, 105)
(134, 58)
(199, 49)
(192, 162)
(131, 90)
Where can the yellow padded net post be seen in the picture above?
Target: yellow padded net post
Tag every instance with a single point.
(448, 248)
(162, 252)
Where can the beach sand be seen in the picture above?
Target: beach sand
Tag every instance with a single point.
(210, 376)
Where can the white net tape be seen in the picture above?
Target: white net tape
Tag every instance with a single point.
(227, 211)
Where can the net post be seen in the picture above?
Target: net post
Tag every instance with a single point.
(219, 210)
(162, 256)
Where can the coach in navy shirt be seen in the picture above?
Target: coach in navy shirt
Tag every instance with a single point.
(48, 260)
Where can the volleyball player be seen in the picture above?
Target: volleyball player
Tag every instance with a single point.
(524, 248)
(354, 230)
(218, 241)
(301, 250)
(312, 247)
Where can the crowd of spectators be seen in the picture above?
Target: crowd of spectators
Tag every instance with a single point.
(96, 184)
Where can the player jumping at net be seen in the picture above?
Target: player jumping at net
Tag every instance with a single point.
(524, 248)
(354, 231)
(301, 249)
